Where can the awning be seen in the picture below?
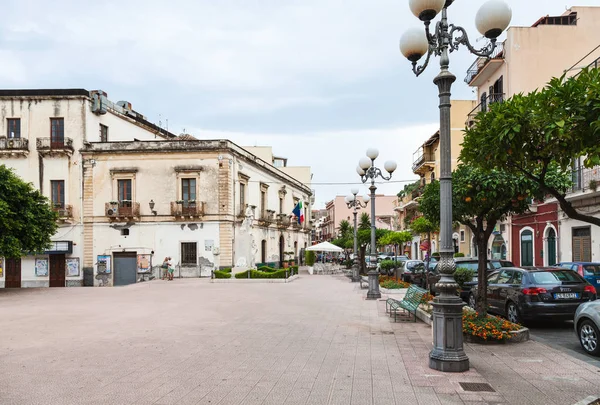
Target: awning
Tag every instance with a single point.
(424, 245)
(325, 247)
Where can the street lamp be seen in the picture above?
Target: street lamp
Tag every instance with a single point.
(491, 20)
(353, 202)
(366, 170)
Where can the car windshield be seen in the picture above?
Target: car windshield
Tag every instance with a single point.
(468, 265)
(497, 264)
(591, 269)
(555, 277)
(414, 265)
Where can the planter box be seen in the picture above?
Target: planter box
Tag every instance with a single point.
(393, 291)
(255, 280)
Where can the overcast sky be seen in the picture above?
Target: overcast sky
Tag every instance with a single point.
(319, 80)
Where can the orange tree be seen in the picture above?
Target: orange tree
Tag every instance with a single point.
(479, 200)
(541, 133)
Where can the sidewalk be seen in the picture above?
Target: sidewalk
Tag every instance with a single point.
(313, 341)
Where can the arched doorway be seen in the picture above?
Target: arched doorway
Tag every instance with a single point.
(263, 252)
(551, 246)
(281, 246)
(526, 247)
(498, 248)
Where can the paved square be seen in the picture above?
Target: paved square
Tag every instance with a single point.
(313, 341)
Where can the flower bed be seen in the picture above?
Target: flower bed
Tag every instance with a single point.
(392, 283)
(489, 328)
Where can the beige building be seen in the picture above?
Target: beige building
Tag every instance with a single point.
(130, 193)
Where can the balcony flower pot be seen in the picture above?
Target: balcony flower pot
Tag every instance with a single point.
(593, 185)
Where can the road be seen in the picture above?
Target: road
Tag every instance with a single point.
(561, 336)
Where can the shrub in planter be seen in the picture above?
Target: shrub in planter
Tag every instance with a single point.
(222, 274)
(243, 274)
(387, 265)
(310, 258)
(459, 254)
(294, 270)
(266, 269)
(226, 270)
(462, 276)
(436, 255)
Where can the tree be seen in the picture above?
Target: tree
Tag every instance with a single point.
(396, 239)
(27, 221)
(365, 221)
(424, 225)
(538, 135)
(409, 188)
(479, 200)
(346, 230)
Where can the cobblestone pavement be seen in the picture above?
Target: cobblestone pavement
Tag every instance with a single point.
(313, 341)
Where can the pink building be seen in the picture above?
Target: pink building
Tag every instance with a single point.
(337, 211)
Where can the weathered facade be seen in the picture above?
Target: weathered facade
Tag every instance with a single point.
(130, 193)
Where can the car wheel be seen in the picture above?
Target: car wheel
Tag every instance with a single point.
(512, 313)
(472, 301)
(588, 337)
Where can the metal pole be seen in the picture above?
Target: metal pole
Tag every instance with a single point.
(373, 274)
(355, 274)
(447, 353)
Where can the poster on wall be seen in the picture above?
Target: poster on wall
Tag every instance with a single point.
(41, 267)
(143, 263)
(103, 264)
(72, 265)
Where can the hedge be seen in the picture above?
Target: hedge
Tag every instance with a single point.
(222, 274)
(267, 269)
(226, 270)
(310, 258)
(262, 274)
(459, 254)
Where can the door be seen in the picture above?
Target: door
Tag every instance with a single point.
(263, 252)
(551, 248)
(125, 268)
(57, 270)
(281, 246)
(582, 245)
(527, 248)
(57, 133)
(12, 273)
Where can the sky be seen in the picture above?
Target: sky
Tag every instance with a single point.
(318, 80)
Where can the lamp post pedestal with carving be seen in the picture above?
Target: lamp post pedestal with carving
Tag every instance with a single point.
(353, 202)
(367, 171)
(492, 19)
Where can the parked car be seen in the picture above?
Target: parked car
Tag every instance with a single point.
(413, 271)
(497, 263)
(461, 262)
(588, 270)
(587, 326)
(522, 294)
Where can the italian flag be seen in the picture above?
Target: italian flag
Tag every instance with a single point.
(299, 212)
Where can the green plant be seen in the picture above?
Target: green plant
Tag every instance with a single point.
(593, 185)
(387, 265)
(459, 254)
(226, 270)
(436, 255)
(488, 327)
(266, 269)
(222, 274)
(463, 275)
(392, 283)
(310, 258)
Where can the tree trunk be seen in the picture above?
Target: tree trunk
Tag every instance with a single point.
(362, 259)
(482, 236)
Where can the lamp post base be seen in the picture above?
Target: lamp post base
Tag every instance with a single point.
(373, 293)
(355, 274)
(448, 354)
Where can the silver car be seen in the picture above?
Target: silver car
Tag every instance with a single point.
(587, 326)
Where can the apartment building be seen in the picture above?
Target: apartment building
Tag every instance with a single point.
(129, 193)
(527, 60)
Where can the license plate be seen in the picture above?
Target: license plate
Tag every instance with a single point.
(598, 281)
(563, 296)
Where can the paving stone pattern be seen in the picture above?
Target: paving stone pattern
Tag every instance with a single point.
(314, 341)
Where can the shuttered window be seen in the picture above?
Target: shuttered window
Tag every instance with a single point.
(188, 253)
(582, 245)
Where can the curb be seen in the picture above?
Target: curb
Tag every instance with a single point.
(591, 400)
(255, 280)
(393, 291)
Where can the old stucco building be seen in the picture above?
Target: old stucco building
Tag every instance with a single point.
(129, 193)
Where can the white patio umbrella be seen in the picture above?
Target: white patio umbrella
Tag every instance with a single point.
(325, 247)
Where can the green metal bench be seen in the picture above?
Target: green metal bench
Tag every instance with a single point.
(410, 302)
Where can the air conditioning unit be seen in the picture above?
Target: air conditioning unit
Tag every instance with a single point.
(111, 212)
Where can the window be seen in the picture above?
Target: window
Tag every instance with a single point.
(58, 193)
(582, 245)
(188, 190)
(462, 235)
(125, 232)
(125, 197)
(242, 196)
(517, 278)
(188, 253)
(280, 205)
(263, 203)
(556, 277)
(103, 133)
(57, 132)
(432, 177)
(504, 277)
(13, 126)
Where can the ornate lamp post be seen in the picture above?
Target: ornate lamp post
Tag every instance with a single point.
(367, 171)
(492, 19)
(353, 202)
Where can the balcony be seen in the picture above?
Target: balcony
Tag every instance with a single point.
(283, 221)
(122, 209)
(51, 146)
(266, 218)
(484, 106)
(585, 179)
(423, 160)
(483, 68)
(187, 209)
(14, 147)
(64, 212)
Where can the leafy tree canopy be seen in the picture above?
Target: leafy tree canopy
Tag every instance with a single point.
(409, 188)
(346, 230)
(395, 238)
(538, 135)
(364, 222)
(26, 220)
(424, 225)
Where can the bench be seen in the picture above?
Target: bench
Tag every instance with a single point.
(410, 302)
(364, 280)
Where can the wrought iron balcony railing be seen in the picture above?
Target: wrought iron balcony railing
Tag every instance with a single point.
(122, 209)
(484, 106)
(585, 179)
(481, 62)
(420, 157)
(64, 211)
